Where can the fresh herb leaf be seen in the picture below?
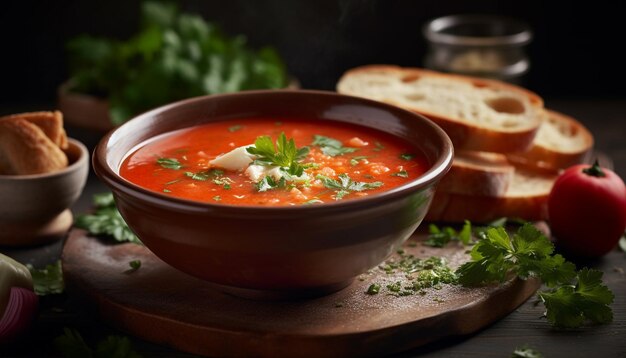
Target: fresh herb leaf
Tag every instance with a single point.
(407, 156)
(313, 201)
(526, 352)
(169, 163)
(167, 191)
(173, 56)
(234, 128)
(355, 160)
(285, 154)
(570, 306)
(345, 185)
(269, 183)
(331, 146)
(106, 220)
(440, 237)
(378, 146)
(528, 253)
(72, 345)
(401, 174)
(48, 280)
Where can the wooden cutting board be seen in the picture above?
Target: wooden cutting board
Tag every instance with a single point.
(163, 305)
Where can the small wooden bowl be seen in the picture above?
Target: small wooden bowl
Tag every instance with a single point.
(34, 208)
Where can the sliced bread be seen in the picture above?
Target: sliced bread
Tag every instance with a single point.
(561, 142)
(478, 173)
(477, 114)
(526, 198)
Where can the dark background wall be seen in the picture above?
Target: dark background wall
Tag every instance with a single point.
(574, 52)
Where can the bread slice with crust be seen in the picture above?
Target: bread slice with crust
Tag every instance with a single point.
(478, 114)
(478, 173)
(561, 142)
(526, 198)
(25, 149)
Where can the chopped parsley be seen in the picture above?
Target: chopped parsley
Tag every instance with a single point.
(378, 146)
(526, 352)
(269, 183)
(345, 185)
(331, 146)
(284, 154)
(215, 175)
(234, 128)
(106, 220)
(401, 174)
(373, 289)
(355, 160)
(167, 191)
(135, 264)
(201, 176)
(313, 201)
(169, 163)
(407, 156)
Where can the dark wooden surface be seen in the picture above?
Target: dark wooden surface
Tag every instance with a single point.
(605, 118)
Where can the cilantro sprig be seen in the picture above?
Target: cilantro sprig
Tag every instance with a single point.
(440, 237)
(49, 280)
(572, 299)
(169, 163)
(106, 220)
(331, 146)
(345, 185)
(285, 154)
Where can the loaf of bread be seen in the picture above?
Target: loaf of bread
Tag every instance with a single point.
(477, 114)
(32, 143)
(478, 173)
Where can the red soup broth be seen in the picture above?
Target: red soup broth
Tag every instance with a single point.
(178, 163)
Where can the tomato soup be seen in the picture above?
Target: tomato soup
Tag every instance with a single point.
(262, 161)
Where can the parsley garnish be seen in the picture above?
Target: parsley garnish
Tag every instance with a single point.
(378, 146)
(331, 146)
(345, 185)
(401, 174)
(268, 183)
(284, 154)
(72, 345)
(106, 220)
(496, 257)
(406, 156)
(355, 160)
(48, 280)
(201, 176)
(169, 163)
(440, 237)
(313, 201)
(234, 128)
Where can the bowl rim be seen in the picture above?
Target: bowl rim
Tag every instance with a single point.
(81, 161)
(116, 182)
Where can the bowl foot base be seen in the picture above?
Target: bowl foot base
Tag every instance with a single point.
(35, 233)
(282, 295)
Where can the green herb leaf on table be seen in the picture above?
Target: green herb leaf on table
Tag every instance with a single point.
(345, 185)
(526, 352)
(574, 298)
(331, 146)
(440, 237)
(48, 280)
(285, 154)
(570, 306)
(135, 264)
(106, 220)
(72, 345)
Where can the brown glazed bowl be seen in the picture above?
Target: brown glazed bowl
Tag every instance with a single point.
(269, 252)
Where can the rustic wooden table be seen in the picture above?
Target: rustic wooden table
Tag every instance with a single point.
(607, 121)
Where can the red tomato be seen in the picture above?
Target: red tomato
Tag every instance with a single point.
(587, 210)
